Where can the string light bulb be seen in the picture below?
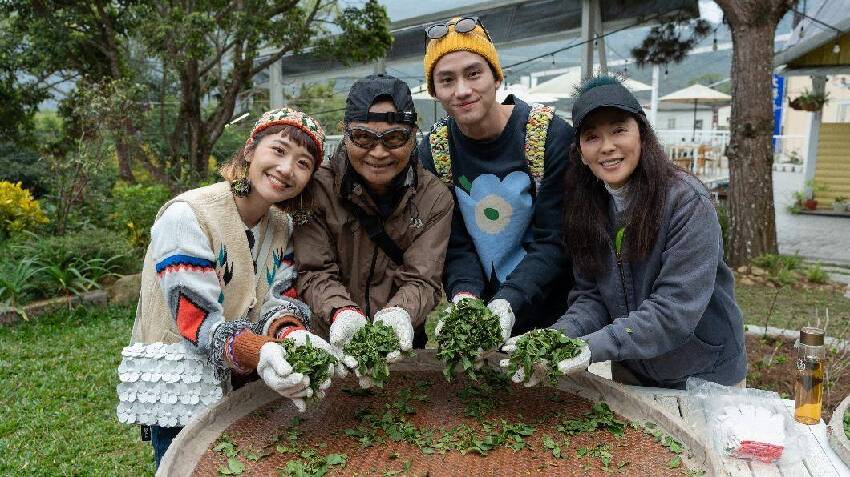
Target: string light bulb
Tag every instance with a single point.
(836, 48)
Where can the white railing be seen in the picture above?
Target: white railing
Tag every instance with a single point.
(788, 148)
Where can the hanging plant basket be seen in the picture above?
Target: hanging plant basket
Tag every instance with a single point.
(808, 103)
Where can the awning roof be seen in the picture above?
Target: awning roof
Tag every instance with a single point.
(812, 53)
(510, 23)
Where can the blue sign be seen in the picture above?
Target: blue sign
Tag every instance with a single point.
(778, 98)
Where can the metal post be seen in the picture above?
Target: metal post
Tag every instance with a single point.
(587, 38)
(818, 84)
(600, 38)
(653, 103)
(275, 85)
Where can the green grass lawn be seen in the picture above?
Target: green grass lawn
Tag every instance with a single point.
(794, 307)
(59, 372)
(57, 399)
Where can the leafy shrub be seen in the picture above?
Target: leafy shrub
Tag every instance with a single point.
(85, 245)
(775, 263)
(22, 164)
(134, 210)
(783, 277)
(16, 282)
(18, 210)
(74, 262)
(816, 274)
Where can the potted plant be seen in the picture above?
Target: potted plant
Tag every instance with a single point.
(805, 199)
(839, 204)
(809, 101)
(810, 204)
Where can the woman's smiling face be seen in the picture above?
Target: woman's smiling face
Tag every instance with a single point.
(279, 168)
(610, 145)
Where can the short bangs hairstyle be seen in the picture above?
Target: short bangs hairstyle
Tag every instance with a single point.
(237, 167)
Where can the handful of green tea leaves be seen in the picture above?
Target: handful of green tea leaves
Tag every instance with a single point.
(370, 347)
(309, 361)
(469, 327)
(543, 345)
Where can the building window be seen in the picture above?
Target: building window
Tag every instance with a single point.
(842, 112)
(671, 123)
(698, 124)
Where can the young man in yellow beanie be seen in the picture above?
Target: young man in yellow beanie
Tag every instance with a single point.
(505, 164)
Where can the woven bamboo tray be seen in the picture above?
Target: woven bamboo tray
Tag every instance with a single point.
(256, 419)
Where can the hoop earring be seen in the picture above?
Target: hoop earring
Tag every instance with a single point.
(242, 187)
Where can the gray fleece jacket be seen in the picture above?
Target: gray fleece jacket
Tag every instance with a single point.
(673, 314)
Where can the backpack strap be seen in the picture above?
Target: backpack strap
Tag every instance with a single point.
(536, 131)
(535, 139)
(439, 140)
(378, 235)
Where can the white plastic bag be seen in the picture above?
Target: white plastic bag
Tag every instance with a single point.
(746, 423)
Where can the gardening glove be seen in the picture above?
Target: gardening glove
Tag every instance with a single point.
(538, 373)
(455, 300)
(277, 373)
(501, 308)
(399, 320)
(300, 337)
(346, 322)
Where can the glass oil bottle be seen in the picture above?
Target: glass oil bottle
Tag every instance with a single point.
(808, 388)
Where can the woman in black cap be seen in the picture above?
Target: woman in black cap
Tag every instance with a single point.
(375, 247)
(653, 293)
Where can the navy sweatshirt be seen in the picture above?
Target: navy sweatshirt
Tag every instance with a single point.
(506, 239)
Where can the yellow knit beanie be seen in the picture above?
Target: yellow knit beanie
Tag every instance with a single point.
(475, 41)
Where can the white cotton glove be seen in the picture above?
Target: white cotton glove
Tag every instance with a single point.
(277, 373)
(346, 323)
(299, 337)
(399, 320)
(501, 308)
(538, 373)
(455, 300)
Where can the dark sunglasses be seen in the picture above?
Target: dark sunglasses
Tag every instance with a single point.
(367, 139)
(435, 31)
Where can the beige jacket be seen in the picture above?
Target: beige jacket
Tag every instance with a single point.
(340, 266)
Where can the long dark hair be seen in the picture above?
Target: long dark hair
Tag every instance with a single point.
(587, 226)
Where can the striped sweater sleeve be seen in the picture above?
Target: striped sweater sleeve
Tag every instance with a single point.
(282, 310)
(185, 267)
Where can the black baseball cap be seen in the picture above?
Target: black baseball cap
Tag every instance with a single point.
(366, 90)
(601, 92)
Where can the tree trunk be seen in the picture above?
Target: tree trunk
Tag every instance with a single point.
(752, 223)
(122, 151)
(125, 128)
(190, 98)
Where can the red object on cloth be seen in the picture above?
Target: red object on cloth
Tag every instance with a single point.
(766, 453)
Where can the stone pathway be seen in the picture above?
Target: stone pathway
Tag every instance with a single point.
(816, 238)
